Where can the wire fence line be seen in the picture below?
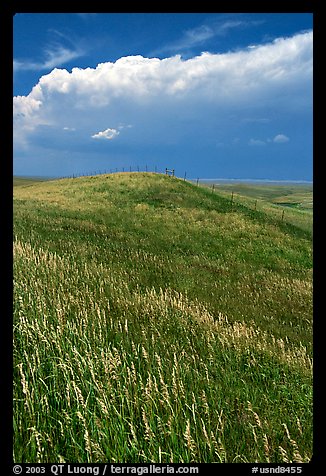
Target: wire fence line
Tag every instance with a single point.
(131, 168)
(113, 170)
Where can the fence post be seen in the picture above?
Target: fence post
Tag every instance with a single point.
(197, 181)
(169, 171)
(232, 199)
(282, 215)
(184, 178)
(213, 186)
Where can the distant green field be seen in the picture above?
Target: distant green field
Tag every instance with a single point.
(300, 196)
(27, 181)
(295, 200)
(158, 321)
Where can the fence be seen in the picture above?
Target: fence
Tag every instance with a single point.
(169, 172)
(134, 168)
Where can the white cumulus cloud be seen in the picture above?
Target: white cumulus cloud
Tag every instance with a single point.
(229, 76)
(107, 134)
(152, 93)
(280, 139)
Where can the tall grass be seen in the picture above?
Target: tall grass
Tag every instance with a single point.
(155, 323)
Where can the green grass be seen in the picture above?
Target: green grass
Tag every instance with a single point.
(155, 321)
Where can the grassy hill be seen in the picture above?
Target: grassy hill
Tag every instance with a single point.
(157, 321)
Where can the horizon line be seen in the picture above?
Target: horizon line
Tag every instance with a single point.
(255, 180)
(217, 179)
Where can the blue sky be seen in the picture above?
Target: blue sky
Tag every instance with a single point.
(213, 95)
